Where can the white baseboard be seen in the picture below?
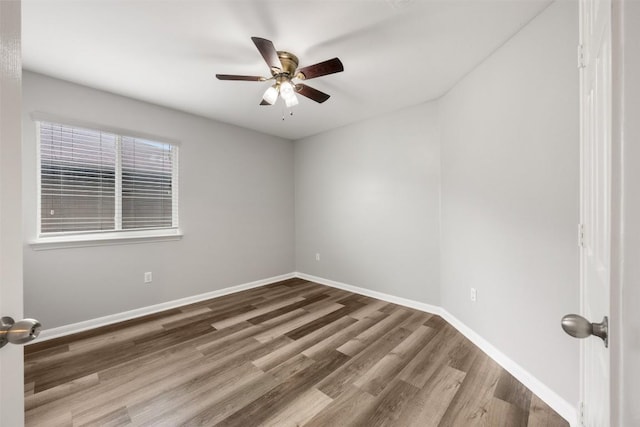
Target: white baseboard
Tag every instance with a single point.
(73, 328)
(434, 309)
(550, 397)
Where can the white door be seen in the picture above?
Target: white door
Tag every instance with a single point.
(11, 364)
(595, 99)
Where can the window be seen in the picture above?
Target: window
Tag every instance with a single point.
(93, 181)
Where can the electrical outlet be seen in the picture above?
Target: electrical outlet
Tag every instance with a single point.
(147, 277)
(473, 295)
(317, 257)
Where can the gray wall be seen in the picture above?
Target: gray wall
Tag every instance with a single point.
(367, 200)
(510, 193)
(505, 144)
(236, 212)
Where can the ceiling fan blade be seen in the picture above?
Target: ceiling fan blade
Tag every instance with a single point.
(268, 52)
(329, 66)
(243, 78)
(311, 93)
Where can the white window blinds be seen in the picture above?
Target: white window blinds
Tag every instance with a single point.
(147, 176)
(95, 181)
(77, 175)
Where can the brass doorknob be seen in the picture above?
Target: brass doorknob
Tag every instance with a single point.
(579, 327)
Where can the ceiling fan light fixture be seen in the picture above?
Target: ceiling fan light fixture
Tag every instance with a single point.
(286, 89)
(291, 101)
(271, 95)
(288, 94)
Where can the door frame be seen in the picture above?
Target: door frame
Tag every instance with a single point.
(11, 304)
(620, 195)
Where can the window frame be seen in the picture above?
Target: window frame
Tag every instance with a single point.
(56, 240)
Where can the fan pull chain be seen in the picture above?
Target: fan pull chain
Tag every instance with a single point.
(283, 115)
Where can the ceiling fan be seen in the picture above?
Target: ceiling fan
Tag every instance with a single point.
(284, 68)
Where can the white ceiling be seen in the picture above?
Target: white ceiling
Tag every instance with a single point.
(396, 53)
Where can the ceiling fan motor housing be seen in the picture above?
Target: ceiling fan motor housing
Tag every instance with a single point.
(289, 64)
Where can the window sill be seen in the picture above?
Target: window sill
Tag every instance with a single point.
(104, 239)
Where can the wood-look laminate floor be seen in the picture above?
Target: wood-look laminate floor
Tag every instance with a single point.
(289, 354)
